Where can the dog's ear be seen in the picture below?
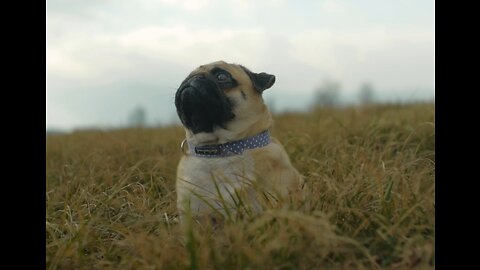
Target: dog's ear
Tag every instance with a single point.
(261, 81)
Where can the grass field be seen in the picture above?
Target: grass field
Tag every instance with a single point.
(370, 203)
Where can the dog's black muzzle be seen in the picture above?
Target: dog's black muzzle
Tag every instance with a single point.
(201, 104)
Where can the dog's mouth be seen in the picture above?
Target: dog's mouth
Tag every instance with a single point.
(202, 105)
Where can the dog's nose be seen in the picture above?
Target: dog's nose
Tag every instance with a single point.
(187, 91)
(195, 81)
(192, 83)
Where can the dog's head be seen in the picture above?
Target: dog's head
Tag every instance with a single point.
(224, 96)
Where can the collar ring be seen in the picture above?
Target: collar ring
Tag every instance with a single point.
(182, 147)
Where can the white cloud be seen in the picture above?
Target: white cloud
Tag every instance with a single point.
(190, 5)
(332, 6)
(181, 44)
(174, 39)
(61, 62)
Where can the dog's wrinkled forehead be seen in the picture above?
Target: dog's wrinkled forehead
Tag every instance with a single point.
(239, 75)
(236, 71)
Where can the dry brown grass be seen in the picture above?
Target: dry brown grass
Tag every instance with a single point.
(111, 198)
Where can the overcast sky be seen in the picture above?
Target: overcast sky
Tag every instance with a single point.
(107, 57)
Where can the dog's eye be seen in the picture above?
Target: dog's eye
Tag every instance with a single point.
(222, 77)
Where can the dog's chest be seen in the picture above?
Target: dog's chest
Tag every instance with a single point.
(206, 175)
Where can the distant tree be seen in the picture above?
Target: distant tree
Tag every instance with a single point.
(366, 93)
(327, 94)
(137, 117)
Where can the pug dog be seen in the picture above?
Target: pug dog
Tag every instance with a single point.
(229, 156)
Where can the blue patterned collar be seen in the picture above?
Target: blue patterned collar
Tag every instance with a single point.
(230, 148)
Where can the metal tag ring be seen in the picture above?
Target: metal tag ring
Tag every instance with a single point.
(182, 147)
